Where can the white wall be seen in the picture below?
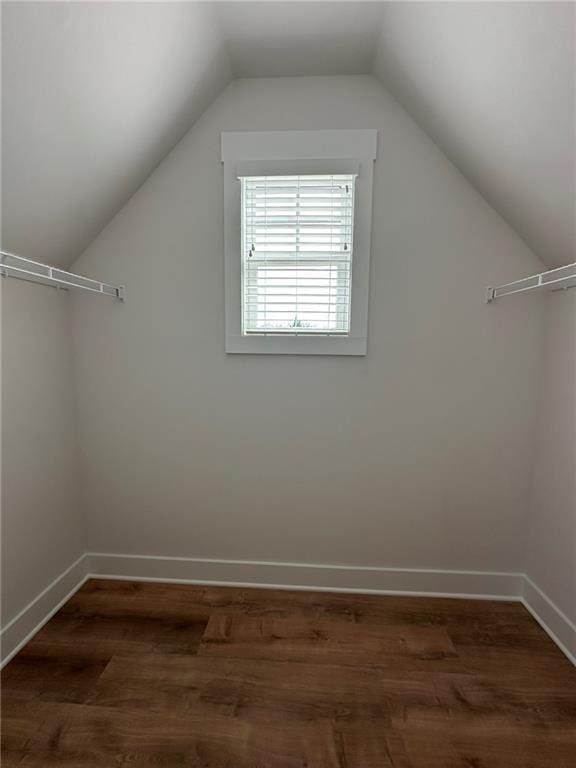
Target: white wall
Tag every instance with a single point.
(417, 455)
(551, 552)
(42, 528)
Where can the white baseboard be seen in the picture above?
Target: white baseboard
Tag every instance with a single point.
(308, 576)
(24, 625)
(560, 628)
(480, 585)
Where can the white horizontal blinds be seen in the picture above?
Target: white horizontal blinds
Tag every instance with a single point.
(297, 235)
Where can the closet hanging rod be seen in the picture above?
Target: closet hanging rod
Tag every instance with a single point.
(21, 268)
(557, 279)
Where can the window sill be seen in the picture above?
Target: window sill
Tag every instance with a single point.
(282, 345)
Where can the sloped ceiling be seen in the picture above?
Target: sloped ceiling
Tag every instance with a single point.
(494, 85)
(96, 94)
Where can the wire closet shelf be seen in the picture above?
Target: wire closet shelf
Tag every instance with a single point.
(559, 279)
(21, 268)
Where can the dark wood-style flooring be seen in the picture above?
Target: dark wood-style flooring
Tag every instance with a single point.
(131, 674)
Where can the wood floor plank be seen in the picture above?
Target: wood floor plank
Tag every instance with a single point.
(548, 668)
(452, 740)
(149, 675)
(100, 637)
(329, 641)
(98, 737)
(256, 690)
(66, 678)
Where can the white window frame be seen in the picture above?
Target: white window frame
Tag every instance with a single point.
(298, 152)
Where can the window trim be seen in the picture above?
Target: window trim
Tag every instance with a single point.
(294, 152)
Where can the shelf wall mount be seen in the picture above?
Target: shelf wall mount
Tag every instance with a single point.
(21, 268)
(558, 279)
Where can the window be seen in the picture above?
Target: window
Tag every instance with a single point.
(297, 216)
(297, 243)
